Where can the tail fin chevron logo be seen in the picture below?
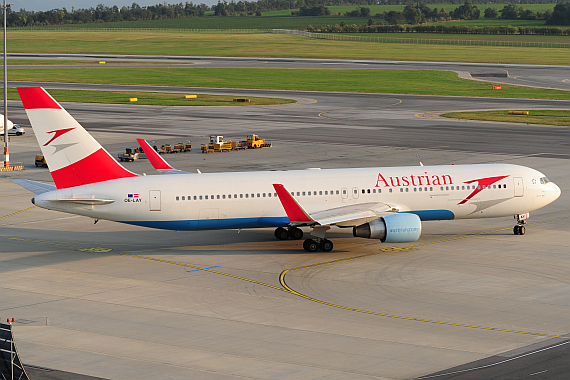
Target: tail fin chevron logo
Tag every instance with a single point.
(58, 133)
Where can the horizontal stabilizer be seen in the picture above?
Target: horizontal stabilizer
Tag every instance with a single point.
(34, 187)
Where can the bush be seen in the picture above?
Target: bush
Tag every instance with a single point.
(491, 13)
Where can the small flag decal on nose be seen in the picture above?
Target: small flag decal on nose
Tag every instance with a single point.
(133, 195)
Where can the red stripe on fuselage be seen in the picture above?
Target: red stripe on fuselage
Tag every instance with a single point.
(97, 167)
(36, 97)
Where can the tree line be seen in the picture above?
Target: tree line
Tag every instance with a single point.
(411, 14)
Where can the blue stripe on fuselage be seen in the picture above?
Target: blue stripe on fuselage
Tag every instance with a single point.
(220, 224)
(432, 214)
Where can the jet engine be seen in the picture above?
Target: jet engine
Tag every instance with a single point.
(394, 228)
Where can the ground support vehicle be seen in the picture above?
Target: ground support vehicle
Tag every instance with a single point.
(40, 161)
(253, 141)
(129, 155)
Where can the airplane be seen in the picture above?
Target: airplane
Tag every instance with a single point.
(384, 203)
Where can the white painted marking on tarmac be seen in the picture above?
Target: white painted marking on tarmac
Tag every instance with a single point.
(494, 364)
(538, 373)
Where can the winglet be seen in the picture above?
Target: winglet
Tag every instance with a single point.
(294, 211)
(155, 159)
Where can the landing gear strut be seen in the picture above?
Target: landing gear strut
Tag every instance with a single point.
(292, 233)
(520, 228)
(311, 245)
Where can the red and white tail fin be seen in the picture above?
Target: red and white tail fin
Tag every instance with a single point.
(73, 156)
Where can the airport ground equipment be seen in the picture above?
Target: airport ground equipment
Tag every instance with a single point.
(253, 141)
(40, 161)
(10, 364)
(129, 155)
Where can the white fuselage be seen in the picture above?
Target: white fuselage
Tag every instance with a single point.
(248, 199)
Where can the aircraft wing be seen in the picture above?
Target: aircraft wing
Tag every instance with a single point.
(33, 186)
(344, 216)
(156, 160)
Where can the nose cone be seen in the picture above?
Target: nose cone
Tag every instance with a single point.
(555, 192)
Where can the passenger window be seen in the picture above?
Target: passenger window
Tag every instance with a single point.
(309, 193)
(275, 194)
(452, 188)
(462, 187)
(368, 191)
(320, 193)
(224, 196)
(430, 189)
(200, 197)
(441, 188)
(264, 195)
(390, 189)
(258, 195)
(446, 187)
(241, 195)
(374, 191)
(183, 198)
(494, 186)
(504, 186)
(407, 189)
(363, 191)
(303, 193)
(326, 192)
(194, 197)
(177, 198)
(218, 196)
(247, 195)
(401, 189)
(415, 189)
(206, 197)
(298, 194)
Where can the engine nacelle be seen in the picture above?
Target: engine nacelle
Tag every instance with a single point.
(395, 228)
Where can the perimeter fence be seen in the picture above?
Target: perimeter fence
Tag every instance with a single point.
(425, 41)
(324, 36)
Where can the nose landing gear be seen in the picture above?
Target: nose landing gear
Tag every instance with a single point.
(520, 228)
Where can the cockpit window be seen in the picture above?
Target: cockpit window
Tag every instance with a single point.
(544, 181)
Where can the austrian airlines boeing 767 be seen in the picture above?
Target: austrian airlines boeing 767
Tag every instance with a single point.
(385, 203)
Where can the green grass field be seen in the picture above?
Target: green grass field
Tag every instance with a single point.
(550, 117)
(373, 81)
(152, 98)
(267, 45)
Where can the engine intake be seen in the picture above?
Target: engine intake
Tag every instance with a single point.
(395, 228)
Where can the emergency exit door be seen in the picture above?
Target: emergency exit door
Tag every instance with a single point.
(519, 186)
(154, 200)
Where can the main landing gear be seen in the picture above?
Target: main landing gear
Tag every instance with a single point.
(520, 228)
(310, 245)
(292, 233)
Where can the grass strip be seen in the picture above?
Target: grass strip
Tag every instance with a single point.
(152, 98)
(422, 82)
(550, 117)
(15, 62)
(269, 45)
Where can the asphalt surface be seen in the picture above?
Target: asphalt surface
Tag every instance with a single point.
(547, 361)
(544, 76)
(405, 121)
(119, 317)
